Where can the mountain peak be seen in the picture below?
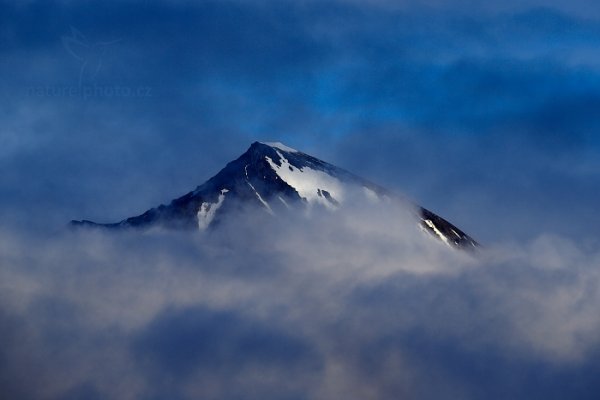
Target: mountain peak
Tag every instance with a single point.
(278, 146)
(274, 178)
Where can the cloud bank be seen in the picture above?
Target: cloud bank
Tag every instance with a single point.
(356, 304)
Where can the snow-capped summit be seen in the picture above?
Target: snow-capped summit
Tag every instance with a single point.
(280, 146)
(273, 177)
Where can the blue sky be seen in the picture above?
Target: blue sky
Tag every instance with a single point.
(485, 112)
(466, 107)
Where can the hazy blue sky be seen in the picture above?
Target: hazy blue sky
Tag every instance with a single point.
(486, 112)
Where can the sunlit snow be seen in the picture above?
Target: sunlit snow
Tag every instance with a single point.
(280, 146)
(308, 182)
(437, 231)
(207, 211)
(371, 195)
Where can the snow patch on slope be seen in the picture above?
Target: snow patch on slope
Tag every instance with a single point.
(434, 228)
(280, 146)
(371, 195)
(309, 183)
(264, 203)
(284, 202)
(207, 211)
